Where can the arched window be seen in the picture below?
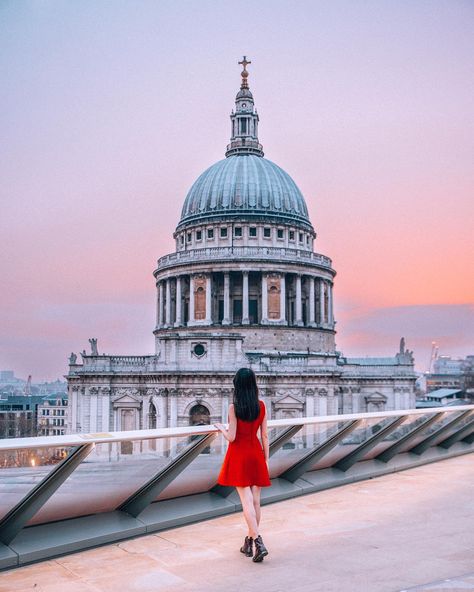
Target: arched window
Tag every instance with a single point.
(152, 417)
(199, 415)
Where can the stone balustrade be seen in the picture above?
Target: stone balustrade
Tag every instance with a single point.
(250, 253)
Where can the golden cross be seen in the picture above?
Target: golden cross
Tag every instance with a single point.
(245, 63)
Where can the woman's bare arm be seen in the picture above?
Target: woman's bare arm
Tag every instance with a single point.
(229, 433)
(264, 435)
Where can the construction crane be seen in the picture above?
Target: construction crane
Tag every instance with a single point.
(28, 387)
(434, 355)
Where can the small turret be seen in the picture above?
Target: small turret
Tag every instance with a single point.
(244, 130)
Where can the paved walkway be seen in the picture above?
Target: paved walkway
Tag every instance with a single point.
(396, 532)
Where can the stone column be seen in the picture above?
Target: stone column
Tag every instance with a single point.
(311, 302)
(226, 319)
(93, 411)
(160, 304)
(208, 299)
(264, 299)
(283, 298)
(173, 399)
(106, 411)
(299, 311)
(321, 302)
(330, 311)
(179, 304)
(245, 298)
(191, 300)
(168, 303)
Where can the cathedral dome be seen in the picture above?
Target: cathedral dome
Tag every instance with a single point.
(245, 186)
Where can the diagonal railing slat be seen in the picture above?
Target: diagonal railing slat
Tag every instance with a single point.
(148, 492)
(21, 513)
(304, 464)
(395, 448)
(465, 434)
(438, 434)
(350, 459)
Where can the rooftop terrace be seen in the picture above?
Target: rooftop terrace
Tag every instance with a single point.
(408, 530)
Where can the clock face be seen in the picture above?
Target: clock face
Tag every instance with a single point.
(244, 105)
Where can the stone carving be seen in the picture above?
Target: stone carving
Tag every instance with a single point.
(72, 358)
(93, 342)
(122, 392)
(151, 392)
(402, 345)
(404, 356)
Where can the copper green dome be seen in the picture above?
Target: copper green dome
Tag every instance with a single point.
(245, 186)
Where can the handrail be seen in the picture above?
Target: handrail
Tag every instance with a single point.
(108, 437)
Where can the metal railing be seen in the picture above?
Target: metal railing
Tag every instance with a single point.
(64, 493)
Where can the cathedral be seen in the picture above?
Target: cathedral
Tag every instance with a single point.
(244, 287)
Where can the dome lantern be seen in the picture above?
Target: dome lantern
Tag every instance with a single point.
(244, 121)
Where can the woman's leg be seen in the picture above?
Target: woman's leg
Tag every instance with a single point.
(246, 499)
(256, 502)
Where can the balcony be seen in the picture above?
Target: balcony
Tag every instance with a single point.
(225, 254)
(407, 531)
(66, 493)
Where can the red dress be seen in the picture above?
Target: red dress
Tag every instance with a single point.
(244, 463)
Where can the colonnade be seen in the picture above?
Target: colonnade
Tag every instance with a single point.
(243, 298)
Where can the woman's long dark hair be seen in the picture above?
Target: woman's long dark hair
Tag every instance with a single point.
(246, 402)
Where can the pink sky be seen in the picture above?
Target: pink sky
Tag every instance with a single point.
(110, 111)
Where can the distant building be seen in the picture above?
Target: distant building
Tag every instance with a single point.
(450, 373)
(52, 415)
(18, 416)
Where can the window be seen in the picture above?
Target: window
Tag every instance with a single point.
(267, 232)
(198, 234)
(280, 233)
(238, 231)
(182, 239)
(189, 237)
(307, 239)
(291, 235)
(210, 233)
(223, 232)
(243, 126)
(199, 350)
(301, 237)
(252, 231)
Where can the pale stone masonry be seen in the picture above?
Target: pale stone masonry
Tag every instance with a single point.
(243, 288)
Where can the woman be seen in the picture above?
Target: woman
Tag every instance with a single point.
(245, 465)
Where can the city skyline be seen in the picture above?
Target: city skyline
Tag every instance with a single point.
(109, 119)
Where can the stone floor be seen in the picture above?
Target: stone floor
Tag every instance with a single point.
(412, 530)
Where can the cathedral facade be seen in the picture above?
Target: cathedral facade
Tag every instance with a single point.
(244, 287)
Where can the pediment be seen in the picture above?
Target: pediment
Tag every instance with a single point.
(288, 402)
(126, 397)
(288, 399)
